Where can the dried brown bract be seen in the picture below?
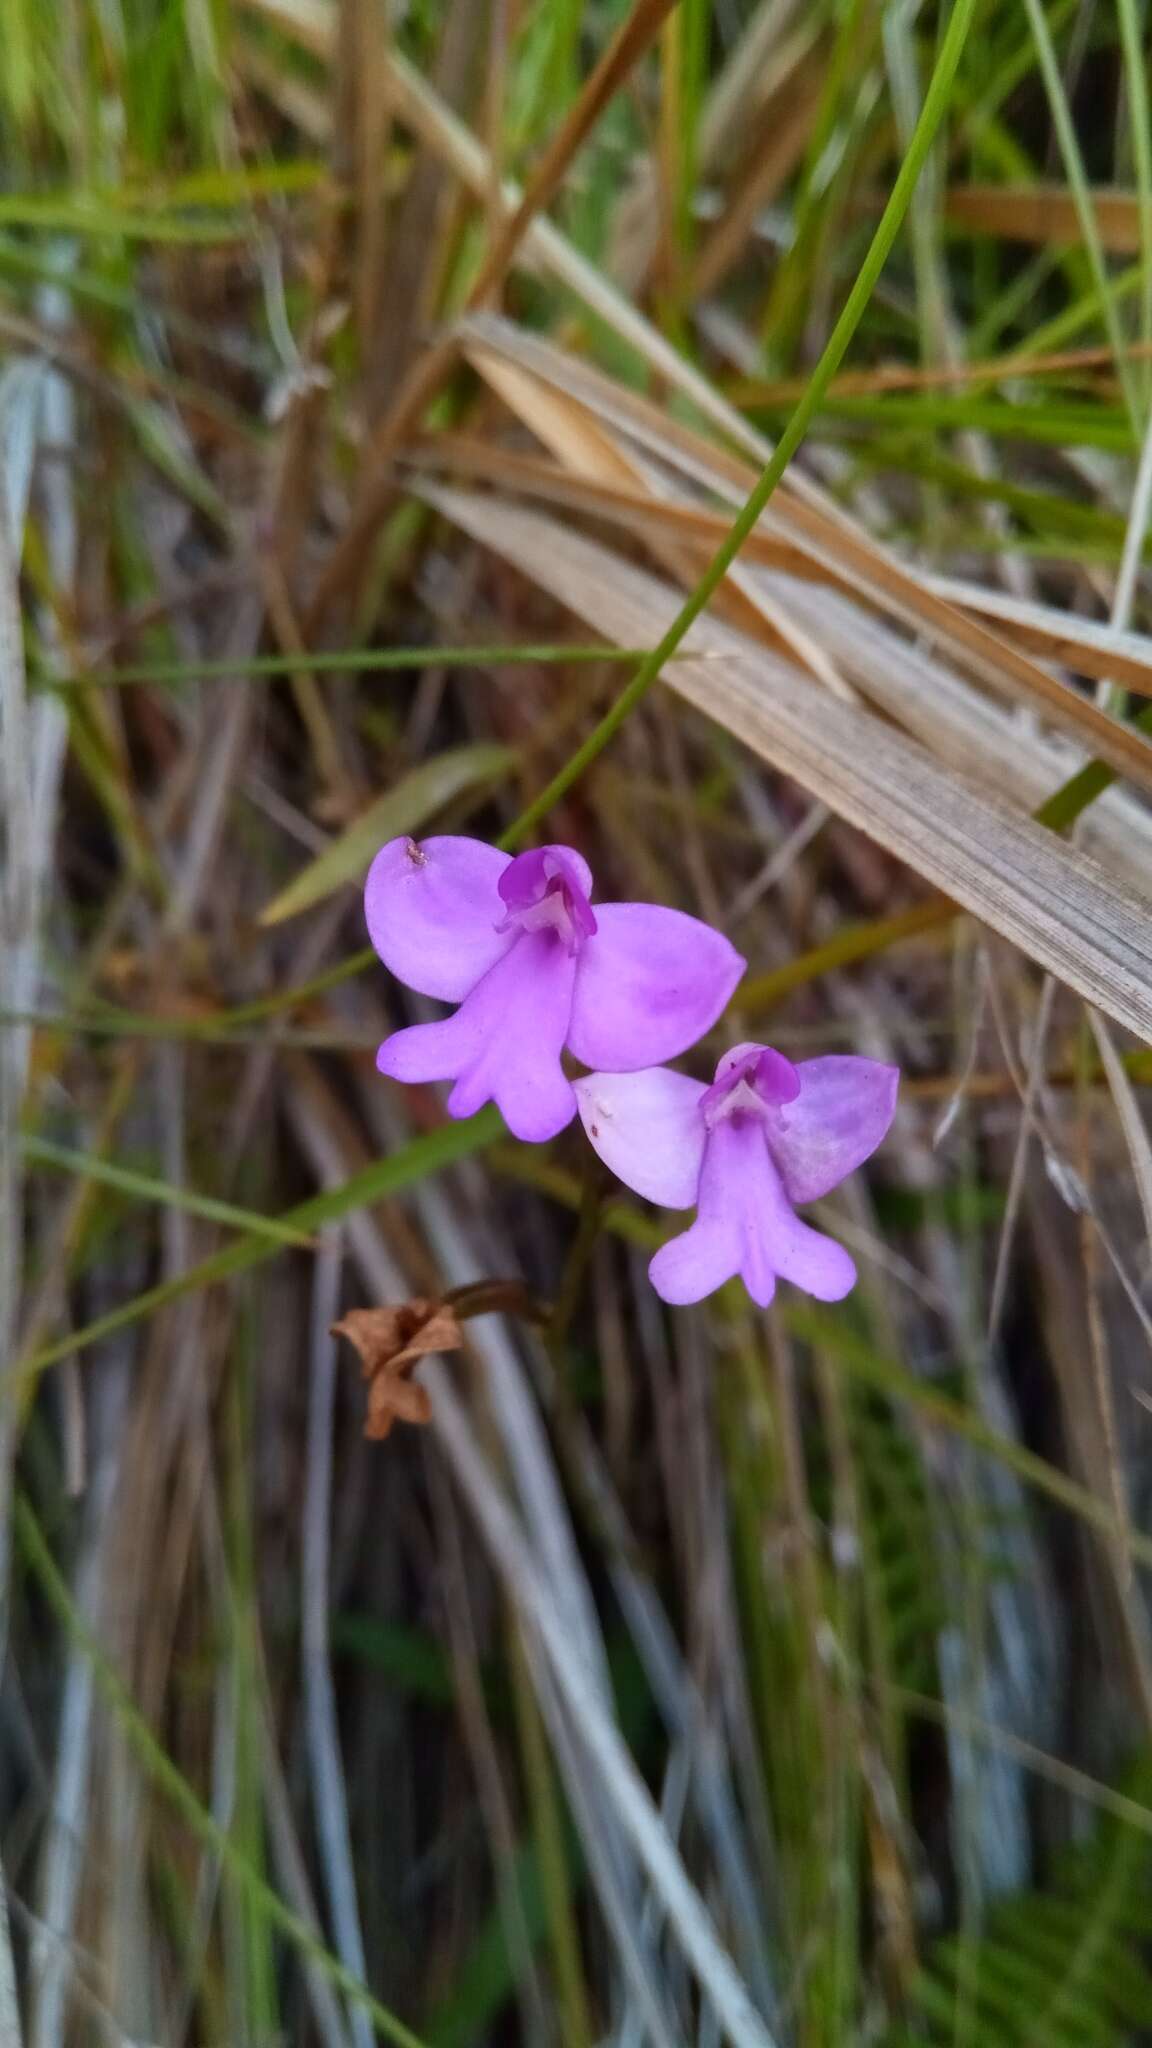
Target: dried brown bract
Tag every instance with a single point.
(391, 1342)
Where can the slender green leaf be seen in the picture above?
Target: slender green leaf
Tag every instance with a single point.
(337, 661)
(385, 1177)
(856, 1356)
(404, 808)
(89, 1166)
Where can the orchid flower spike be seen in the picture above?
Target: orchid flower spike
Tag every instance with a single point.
(534, 969)
(766, 1134)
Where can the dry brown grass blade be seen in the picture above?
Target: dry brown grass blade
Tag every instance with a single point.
(1069, 362)
(1131, 1121)
(1046, 213)
(961, 726)
(359, 145)
(590, 454)
(429, 370)
(784, 133)
(1053, 901)
(603, 477)
(681, 538)
(838, 549)
(418, 107)
(593, 426)
(1090, 646)
(424, 214)
(311, 23)
(744, 108)
(660, 521)
(820, 628)
(628, 45)
(488, 340)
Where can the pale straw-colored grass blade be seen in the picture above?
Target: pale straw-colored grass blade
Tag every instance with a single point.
(837, 550)
(1090, 646)
(1055, 902)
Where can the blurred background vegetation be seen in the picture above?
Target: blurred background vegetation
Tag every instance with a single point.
(377, 378)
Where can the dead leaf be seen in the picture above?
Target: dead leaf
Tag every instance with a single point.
(391, 1342)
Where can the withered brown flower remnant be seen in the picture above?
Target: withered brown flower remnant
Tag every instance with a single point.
(391, 1342)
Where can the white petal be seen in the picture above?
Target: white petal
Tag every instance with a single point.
(648, 1128)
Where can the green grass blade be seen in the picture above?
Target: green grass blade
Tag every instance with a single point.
(1140, 128)
(342, 661)
(857, 1357)
(385, 1177)
(1065, 126)
(142, 1187)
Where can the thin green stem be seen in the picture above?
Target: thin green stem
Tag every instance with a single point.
(857, 1357)
(931, 115)
(1139, 117)
(334, 662)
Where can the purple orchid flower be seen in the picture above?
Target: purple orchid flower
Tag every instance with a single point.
(766, 1134)
(534, 969)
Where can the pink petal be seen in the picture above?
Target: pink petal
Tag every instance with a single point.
(648, 1128)
(695, 1264)
(503, 1044)
(740, 1189)
(746, 1226)
(812, 1261)
(527, 874)
(425, 1052)
(648, 984)
(842, 1112)
(432, 910)
(774, 1078)
(741, 1177)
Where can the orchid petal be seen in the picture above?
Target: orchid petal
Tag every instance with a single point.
(526, 875)
(696, 1263)
(746, 1225)
(503, 1044)
(649, 983)
(842, 1112)
(648, 1129)
(812, 1261)
(721, 1242)
(775, 1078)
(432, 910)
(741, 1175)
(424, 1052)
